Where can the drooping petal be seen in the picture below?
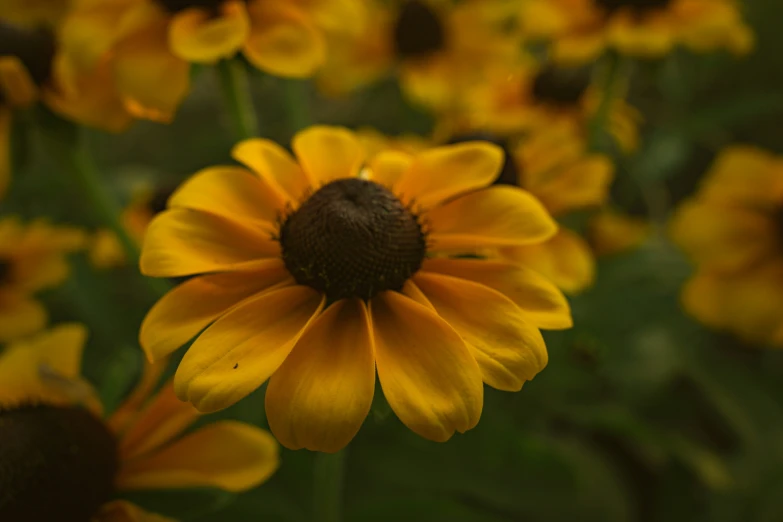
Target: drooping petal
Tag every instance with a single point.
(245, 347)
(320, 396)
(124, 511)
(16, 86)
(509, 350)
(187, 309)
(20, 315)
(428, 376)
(545, 306)
(198, 35)
(274, 165)
(182, 242)
(494, 217)
(231, 192)
(229, 455)
(444, 172)
(121, 418)
(328, 153)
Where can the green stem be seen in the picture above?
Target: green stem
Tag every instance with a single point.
(329, 476)
(236, 93)
(600, 120)
(295, 97)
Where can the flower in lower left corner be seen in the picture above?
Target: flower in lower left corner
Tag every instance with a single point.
(60, 459)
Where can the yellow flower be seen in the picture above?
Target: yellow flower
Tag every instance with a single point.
(32, 13)
(732, 230)
(435, 47)
(581, 30)
(32, 258)
(556, 168)
(314, 272)
(533, 96)
(611, 231)
(151, 43)
(60, 460)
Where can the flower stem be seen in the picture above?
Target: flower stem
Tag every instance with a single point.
(295, 97)
(236, 93)
(329, 476)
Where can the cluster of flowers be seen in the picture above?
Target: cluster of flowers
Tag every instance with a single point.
(429, 263)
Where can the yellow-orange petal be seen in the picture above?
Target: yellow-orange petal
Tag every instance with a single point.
(20, 315)
(282, 40)
(245, 347)
(229, 455)
(182, 242)
(508, 348)
(427, 373)
(388, 167)
(138, 397)
(231, 192)
(566, 259)
(494, 217)
(124, 511)
(320, 396)
(328, 153)
(199, 35)
(444, 172)
(544, 304)
(274, 165)
(17, 88)
(190, 307)
(583, 184)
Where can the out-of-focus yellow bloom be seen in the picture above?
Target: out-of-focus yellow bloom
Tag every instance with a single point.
(32, 258)
(733, 232)
(374, 142)
(151, 43)
(435, 47)
(611, 231)
(33, 13)
(580, 30)
(62, 460)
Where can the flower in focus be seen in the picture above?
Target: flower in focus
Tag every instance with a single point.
(311, 272)
(733, 232)
(32, 258)
(580, 30)
(151, 43)
(60, 460)
(436, 48)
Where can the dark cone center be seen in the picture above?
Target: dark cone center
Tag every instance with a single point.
(639, 6)
(55, 464)
(509, 175)
(352, 238)
(419, 31)
(175, 6)
(34, 47)
(562, 87)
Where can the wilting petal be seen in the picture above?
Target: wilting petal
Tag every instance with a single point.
(320, 396)
(494, 217)
(509, 350)
(274, 165)
(428, 375)
(188, 308)
(328, 153)
(182, 242)
(245, 347)
(229, 455)
(197, 35)
(545, 306)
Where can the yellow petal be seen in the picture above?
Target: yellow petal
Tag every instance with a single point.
(428, 376)
(245, 347)
(138, 397)
(444, 172)
(182, 242)
(231, 192)
(198, 35)
(583, 184)
(566, 260)
(493, 217)
(320, 396)
(20, 315)
(509, 350)
(5, 150)
(640, 39)
(190, 307)
(124, 511)
(274, 165)
(229, 455)
(745, 175)
(282, 41)
(545, 306)
(16, 86)
(388, 167)
(328, 153)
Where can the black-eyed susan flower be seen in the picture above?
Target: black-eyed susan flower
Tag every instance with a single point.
(152, 43)
(32, 258)
(61, 460)
(732, 230)
(313, 272)
(580, 30)
(435, 47)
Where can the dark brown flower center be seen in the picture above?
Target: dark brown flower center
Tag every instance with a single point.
(561, 87)
(352, 238)
(33, 47)
(55, 464)
(639, 6)
(509, 175)
(175, 6)
(419, 31)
